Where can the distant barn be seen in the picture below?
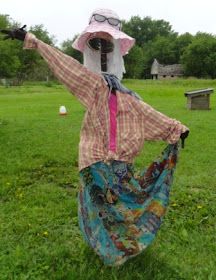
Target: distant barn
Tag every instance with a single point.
(159, 71)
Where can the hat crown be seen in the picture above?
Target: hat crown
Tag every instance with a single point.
(105, 12)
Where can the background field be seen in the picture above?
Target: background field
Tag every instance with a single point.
(39, 234)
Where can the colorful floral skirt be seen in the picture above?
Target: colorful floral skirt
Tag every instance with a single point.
(119, 211)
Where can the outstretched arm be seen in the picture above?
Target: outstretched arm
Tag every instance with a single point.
(80, 81)
(158, 126)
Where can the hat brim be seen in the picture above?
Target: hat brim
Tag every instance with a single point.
(126, 42)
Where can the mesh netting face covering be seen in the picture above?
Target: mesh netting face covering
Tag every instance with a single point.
(94, 60)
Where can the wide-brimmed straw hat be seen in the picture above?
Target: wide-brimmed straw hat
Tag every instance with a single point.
(108, 26)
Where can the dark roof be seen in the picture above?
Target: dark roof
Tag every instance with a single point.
(168, 70)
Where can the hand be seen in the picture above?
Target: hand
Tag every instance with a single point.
(18, 33)
(183, 136)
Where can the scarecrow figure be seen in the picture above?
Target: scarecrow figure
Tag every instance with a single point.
(119, 211)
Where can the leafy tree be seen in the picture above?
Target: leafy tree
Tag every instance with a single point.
(134, 63)
(164, 48)
(19, 63)
(33, 65)
(9, 62)
(182, 42)
(4, 21)
(199, 58)
(41, 33)
(146, 29)
(154, 39)
(67, 48)
(157, 40)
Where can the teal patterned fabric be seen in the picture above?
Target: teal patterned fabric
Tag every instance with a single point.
(120, 212)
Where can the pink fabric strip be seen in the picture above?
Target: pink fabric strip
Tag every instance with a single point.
(113, 122)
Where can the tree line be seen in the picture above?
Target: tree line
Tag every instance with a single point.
(154, 39)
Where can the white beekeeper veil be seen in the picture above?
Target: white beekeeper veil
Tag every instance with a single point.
(104, 24)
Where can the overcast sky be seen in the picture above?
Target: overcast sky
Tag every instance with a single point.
(65, 18)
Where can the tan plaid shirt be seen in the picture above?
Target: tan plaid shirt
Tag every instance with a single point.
(136, 120)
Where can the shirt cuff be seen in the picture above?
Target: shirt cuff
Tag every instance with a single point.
(175, 132)
(30, 41)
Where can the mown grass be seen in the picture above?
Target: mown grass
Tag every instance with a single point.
(39, 234)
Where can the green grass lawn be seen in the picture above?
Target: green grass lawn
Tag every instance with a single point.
(39, 234)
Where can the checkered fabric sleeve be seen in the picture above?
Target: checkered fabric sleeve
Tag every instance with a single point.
(157, 126)
(83, 83)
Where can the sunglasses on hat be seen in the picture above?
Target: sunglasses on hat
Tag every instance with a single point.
(101, 18)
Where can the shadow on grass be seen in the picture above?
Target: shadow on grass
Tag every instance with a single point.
(146, 266)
